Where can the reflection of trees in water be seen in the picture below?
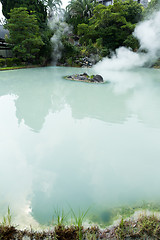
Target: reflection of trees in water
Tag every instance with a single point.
(37, 95)
(43, 91)
(97, 102)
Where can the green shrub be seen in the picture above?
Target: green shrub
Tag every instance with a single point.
(10, 62)
(69, 61)
(91, 48)
(84, 51)
(2, 62)
(69, 50)
(99, 42)
(104, 52)
(131, 42)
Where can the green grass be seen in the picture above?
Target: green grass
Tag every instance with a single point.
(18, 67)
(60, 218)
(146, 227)
(78, 219)
(60, 221)
(7, 220)
(11, 68)
(104, 216)
(143, 227)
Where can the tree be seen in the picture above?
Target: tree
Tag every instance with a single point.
(52, 6)
(24, 34)
(32, 5)
(79, 11)
(153, 5)
(82, 8)
(40, 7)
(113, 24)
(40, 10)
(130, 9)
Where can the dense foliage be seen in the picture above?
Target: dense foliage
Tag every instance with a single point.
(24, 38)
(113, 25)
(100, 29)
(32, 5)
(40, 9)
(52, 6)
(153, 5)
(79, 11)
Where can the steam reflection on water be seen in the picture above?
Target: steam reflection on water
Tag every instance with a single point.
(68, 143)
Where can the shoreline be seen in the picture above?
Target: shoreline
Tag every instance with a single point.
(145, 227)
(19, 67)
(40, 66)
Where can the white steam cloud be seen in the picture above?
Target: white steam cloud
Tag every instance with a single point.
(60, 28)
(148, 34)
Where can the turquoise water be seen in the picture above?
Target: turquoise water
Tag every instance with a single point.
(65, 143)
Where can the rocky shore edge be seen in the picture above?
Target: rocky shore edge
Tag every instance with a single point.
(145, 227)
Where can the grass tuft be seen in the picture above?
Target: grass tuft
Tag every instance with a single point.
(61, 217)
(79, 221)
(7, 219)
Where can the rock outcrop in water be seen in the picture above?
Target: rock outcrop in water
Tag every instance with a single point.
(86, 78)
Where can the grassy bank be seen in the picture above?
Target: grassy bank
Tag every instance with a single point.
(15, 63)
(138, 222)
(18, 67)
(145, 227)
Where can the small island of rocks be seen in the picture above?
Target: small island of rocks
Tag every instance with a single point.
(86, 78)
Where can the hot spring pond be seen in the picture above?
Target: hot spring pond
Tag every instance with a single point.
(66, 144)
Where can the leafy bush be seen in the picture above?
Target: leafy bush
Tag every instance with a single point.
(84, 52)
(91, 48)
(2, 62)
(104, 52)
(131, 42)
(9, 62)
(12, 62)
(99, 42)
(69, 50)
(69, 61)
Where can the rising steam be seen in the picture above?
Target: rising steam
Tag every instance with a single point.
(60, 28)
(148, 34)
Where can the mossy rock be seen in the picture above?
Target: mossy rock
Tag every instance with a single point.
(86, 78)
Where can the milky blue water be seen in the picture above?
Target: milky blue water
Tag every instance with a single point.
(71, 144)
